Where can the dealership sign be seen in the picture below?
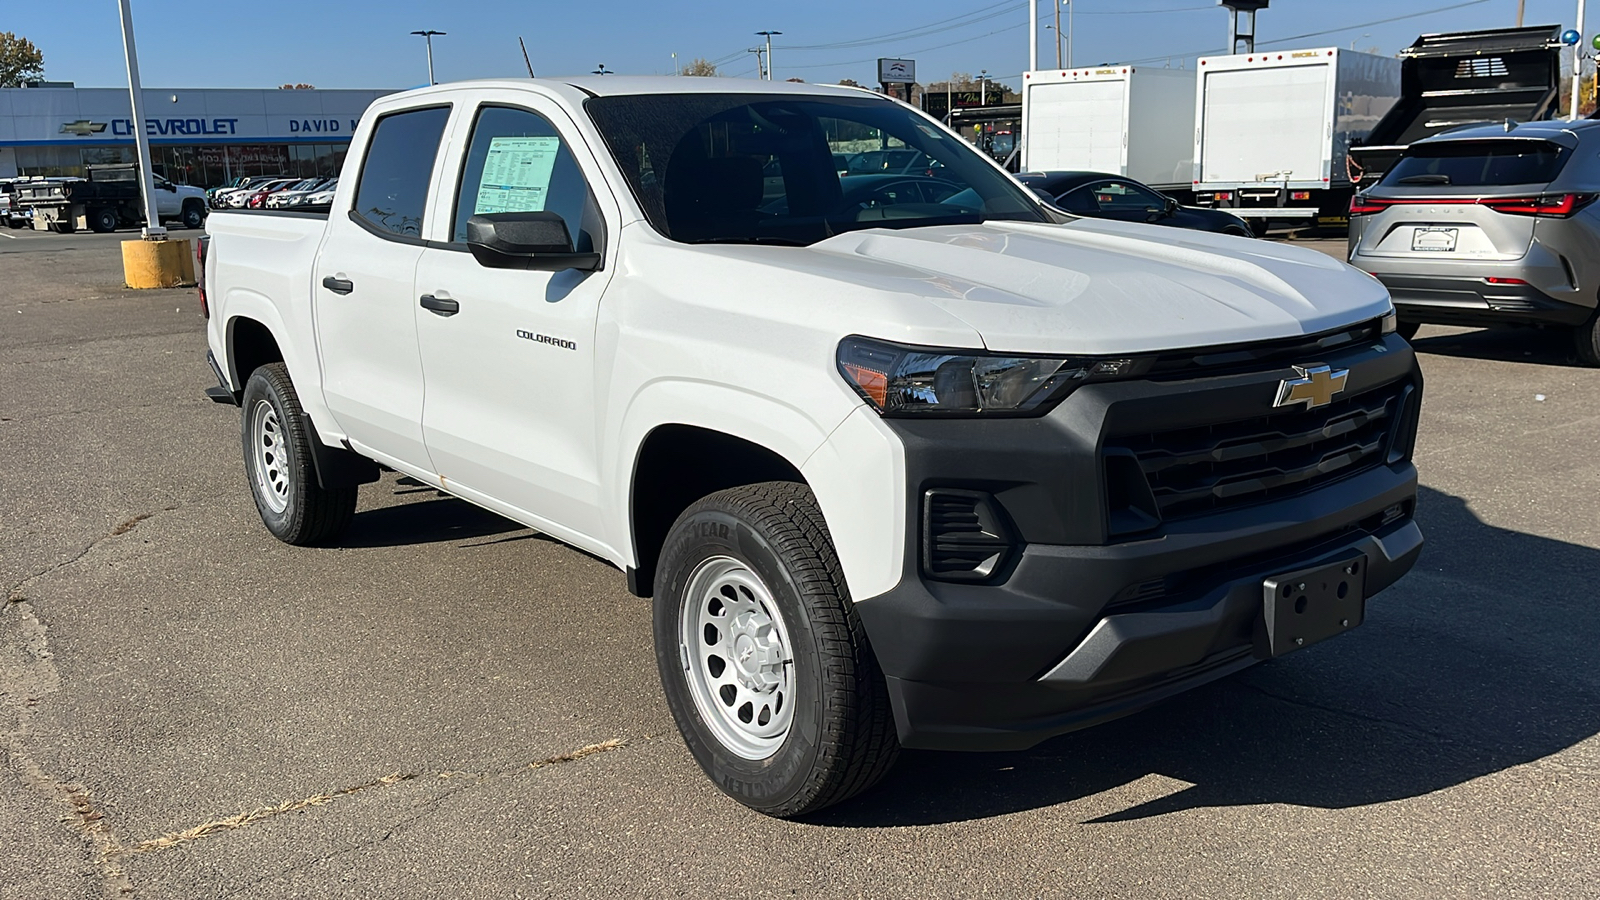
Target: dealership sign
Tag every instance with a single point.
(100, 115)
(897, 71)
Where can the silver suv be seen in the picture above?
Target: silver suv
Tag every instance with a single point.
(1490, 225)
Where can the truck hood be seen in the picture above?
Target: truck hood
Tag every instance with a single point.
(1099, 287)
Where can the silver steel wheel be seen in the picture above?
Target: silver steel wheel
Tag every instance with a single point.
(735, 653)
(269, 457)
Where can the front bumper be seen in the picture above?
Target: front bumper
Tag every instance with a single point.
(1081, 627)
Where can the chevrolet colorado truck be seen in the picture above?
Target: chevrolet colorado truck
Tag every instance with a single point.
(904, 460)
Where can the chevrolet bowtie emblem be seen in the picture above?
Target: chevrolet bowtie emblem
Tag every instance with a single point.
(1315, 387)
(82, 127)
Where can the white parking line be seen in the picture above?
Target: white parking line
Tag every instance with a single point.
(11, 236)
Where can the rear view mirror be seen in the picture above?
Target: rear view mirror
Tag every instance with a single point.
(525, 240)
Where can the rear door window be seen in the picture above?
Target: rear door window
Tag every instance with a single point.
(1478, 164)
(393, 189)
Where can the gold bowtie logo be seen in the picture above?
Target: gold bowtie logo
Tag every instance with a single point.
(82, 127)
(1315, 387)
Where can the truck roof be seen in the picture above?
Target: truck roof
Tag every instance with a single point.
(618, 85)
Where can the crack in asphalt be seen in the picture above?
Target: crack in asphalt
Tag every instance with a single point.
(15, 595)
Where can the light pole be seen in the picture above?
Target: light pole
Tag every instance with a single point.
(769, 35)
(141, 139)
(1353, 42)
(1577, 64)
(1057, 35)
(603, 70)
(983, 87)
(428, 36)
(1069, 32)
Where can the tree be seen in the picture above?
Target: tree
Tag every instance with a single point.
(850, 82)
(796, 80)
(702, 67)
(301, 86)
(20, 60)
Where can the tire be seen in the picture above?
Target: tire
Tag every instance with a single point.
(194, 215)
(1407, 330)
(1586, 337)
(103, 220)
(276, 437)
(753, 568)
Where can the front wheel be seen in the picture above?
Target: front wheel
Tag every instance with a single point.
(194, 215)
(277, 439)
(764, 662)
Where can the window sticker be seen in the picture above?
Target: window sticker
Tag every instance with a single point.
(516, 174)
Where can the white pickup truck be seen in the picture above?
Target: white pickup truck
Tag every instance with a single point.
(905, 460)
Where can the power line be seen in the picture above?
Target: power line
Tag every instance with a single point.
(978, 37)
(1312, 34)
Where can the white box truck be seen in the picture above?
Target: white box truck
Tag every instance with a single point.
(1272, 130)
(1126, 120)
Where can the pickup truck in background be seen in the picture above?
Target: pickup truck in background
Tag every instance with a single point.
(107, 199)
(905, 462)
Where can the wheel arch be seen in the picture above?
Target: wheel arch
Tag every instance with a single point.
(677, 464)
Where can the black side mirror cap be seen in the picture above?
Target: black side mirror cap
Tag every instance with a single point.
(525, 240)
(1172, 205)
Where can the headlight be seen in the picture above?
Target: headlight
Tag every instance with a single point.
(1388, 323)
(900, 380)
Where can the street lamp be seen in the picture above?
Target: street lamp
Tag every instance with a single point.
(428, 36)
(983, 87)
(768, 35)
(603, 70)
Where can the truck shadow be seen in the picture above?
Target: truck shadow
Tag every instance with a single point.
(421, 521)
(1544, 346)
(1485, 657)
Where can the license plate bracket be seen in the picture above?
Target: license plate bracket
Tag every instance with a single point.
(1428, 239)
(1309, 605)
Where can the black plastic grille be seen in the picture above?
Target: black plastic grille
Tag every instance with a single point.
(1193, 471)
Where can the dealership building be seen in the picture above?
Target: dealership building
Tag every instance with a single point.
(201, 136)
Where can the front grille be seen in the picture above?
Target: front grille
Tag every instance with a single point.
(1193, 471)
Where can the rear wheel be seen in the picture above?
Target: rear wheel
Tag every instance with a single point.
(194, 215)
(1587, 339)
(277, 458)
(103, 220)
(763, 660)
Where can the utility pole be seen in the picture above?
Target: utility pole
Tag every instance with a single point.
(761, 69)
(1033, 35)
(1577, 64)
(147, 184)
(1069, 33)
(769, 35)
(1522, 6)
(1058, 32)
(428, 36)
(983, 88)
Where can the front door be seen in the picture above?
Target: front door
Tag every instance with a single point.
(510, 411)
(363, 284)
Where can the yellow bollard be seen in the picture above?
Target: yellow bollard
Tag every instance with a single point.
(157, 264)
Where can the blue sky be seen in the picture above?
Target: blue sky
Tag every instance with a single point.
(366, 44)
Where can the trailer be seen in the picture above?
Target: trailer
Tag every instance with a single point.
(1272, 130)
(1131, 121)
(1463, 78)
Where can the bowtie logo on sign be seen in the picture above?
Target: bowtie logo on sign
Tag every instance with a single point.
(82, 127)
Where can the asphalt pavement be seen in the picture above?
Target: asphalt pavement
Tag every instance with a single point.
(449, 705)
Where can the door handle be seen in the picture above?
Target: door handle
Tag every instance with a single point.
(440, 306)
(338, 285)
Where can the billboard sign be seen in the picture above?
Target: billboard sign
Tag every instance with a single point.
(897, 71)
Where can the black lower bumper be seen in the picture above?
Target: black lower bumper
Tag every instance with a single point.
(1474, 302)
(1079, 625)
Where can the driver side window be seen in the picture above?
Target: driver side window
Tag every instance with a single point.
(1119, 196)
(517, 162)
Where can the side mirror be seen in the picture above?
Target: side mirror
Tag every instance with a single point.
(525, 240)
(1044, 197)
(1172, 205)
(169, 186)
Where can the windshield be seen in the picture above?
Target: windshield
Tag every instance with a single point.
(1514, 161)
(759, 168)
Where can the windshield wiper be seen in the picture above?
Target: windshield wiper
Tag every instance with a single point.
(1424, 179)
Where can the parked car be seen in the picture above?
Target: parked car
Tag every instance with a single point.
(218, 195)
(1103, 196)
(283, 198)
(295, 199)
(11, 215)
(958, 473)
(321, 198)
(248, 198)
(1490, 225)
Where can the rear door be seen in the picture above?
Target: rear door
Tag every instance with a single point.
(363, 283)
(1264, 124)
(510, 416)
(1077, 125)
